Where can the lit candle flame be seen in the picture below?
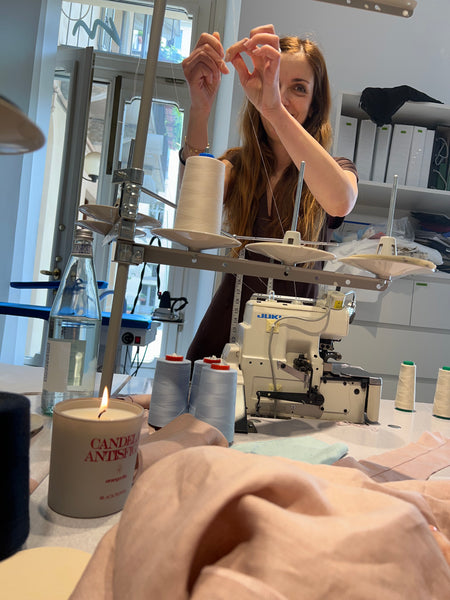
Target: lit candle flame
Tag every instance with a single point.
(104, 402)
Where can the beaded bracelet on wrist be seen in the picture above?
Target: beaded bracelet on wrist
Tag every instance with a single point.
(191, 150)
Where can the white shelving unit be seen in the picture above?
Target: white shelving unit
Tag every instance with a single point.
(372, 193)
(409, 321)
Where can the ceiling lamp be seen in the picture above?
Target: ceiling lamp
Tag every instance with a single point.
(400, 8)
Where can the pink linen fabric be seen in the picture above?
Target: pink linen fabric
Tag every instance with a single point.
(207, 522)
(417, 460)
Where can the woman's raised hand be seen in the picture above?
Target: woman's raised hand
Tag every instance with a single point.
(203, 69)
(262, 84)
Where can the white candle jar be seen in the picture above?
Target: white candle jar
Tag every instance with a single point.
(92, 459)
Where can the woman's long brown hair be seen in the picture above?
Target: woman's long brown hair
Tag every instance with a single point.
(254, 161)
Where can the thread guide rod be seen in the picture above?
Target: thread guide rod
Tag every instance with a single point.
(298, 196)
(120, 284)
(392, 203)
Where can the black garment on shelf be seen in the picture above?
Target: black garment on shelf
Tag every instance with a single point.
(381, 103)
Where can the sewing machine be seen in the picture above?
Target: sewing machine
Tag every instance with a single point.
(282, 357)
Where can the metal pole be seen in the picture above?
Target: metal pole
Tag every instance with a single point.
(390, 221)
(115, 321)
(240, 266)
(159, 8)
(298, 197)
(120, 284)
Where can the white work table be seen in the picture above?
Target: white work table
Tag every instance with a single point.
(395, 429)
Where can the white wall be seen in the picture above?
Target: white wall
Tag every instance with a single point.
(28, 38)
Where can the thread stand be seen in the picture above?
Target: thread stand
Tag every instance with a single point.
(129, 253)
(292, 250)
(126, 252)
(238, 266)
(386, 262)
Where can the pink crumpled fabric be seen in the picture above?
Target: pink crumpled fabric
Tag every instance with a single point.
(207, 522)
(417, 460)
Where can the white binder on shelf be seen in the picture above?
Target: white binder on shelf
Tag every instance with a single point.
(399, 153)
(416, 156)
(381, 152)
(364, 148)
(347, 137)
(426, 159)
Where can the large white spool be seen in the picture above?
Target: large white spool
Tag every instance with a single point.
(199, 212)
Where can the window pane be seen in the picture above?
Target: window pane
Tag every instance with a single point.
(49, 210)
(161, 166)
(124, 29)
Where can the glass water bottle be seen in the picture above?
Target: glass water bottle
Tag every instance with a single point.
(73, 329)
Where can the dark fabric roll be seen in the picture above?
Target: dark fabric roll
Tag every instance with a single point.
(15, 472)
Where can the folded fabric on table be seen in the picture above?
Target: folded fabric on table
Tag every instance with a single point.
(417, 460)
(306, 449)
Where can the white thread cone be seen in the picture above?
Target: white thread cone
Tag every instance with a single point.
(441, 403)
(201, 195)
(405, 397)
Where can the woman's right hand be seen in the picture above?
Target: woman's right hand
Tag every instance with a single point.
(203, 69)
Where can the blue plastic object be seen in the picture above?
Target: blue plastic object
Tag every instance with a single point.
(46, 285)
(43, 312)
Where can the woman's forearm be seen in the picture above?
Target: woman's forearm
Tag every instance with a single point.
(196, 140)
(334, 188)
(203, 70)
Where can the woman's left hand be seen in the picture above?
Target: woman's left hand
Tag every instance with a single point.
(261, 86)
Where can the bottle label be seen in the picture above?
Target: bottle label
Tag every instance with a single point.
(64, 365)
(82, 248)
